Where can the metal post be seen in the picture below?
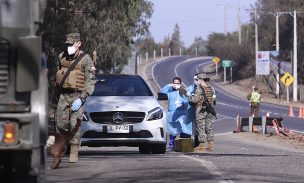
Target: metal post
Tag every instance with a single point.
(161, 53)
(136, 62)
(154, 54)
(264, 125)
(147, 56)
(195, 51)
(230, 74)
(287, 94)
(225, 74)
(169, 52)
(216, 69)
(250, 125)
(180, 51)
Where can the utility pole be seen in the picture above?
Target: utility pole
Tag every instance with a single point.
(277, 49)
(225, 23)
(225, 17)
(239, 24)
(277, 15)
(256, 43)
(277, 32)
(295, 57)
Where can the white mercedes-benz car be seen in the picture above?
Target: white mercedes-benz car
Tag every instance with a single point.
(123, 111)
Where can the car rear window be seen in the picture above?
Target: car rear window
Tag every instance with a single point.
(121, 86)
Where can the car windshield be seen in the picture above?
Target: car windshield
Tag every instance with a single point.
(121, 85)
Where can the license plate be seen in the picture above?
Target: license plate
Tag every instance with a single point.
(118, 129)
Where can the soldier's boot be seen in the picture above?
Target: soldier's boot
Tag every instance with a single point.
(200, 148)
(210, 146)
(74, 153)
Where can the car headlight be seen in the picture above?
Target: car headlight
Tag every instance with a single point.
(154, 114)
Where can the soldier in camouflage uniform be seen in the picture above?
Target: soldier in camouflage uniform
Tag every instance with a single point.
(203, 120)
(78, 84)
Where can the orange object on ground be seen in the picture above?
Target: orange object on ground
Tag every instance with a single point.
(290, 112)
(300, 112)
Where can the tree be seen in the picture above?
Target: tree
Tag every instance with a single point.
(107, 27)
(200, 45)
(176, 41)
(165, 45)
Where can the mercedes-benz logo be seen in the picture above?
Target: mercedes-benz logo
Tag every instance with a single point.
(117, 117)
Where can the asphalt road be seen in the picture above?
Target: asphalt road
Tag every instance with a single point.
(237, 157)
(228, 105)
(234, 160)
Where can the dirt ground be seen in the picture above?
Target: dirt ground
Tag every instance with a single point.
(270, 140)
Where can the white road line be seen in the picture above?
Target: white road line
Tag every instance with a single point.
(220, 134)
(209, 166)
(297, 131)
(224, 117)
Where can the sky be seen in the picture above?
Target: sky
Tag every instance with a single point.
(196, 17)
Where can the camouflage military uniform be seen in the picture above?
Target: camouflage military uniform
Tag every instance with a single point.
(203, 120)
(65, 118)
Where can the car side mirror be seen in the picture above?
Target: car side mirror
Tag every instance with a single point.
(162, 96)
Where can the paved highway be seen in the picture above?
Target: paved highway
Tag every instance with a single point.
(228, 105)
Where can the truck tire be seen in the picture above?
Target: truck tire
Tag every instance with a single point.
(16, 166)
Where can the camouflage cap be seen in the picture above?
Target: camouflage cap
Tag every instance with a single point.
(202, 76)
(72, 38)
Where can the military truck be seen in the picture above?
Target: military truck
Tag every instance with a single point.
(23, 92)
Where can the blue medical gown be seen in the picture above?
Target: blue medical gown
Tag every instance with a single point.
(179, 117)
(191, 110)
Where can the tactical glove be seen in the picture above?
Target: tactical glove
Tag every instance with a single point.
(76, 104)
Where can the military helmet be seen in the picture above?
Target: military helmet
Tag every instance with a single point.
(72, 38)
(202, 76)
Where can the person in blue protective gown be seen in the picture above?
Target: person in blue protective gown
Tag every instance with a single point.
(177, 118)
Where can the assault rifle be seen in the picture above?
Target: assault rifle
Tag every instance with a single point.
(209, 108)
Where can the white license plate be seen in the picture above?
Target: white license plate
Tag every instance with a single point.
(118, 129)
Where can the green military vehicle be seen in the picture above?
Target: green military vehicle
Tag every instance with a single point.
(23, 92)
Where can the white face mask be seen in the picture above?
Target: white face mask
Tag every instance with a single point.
(177, 86)
(71, 50)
